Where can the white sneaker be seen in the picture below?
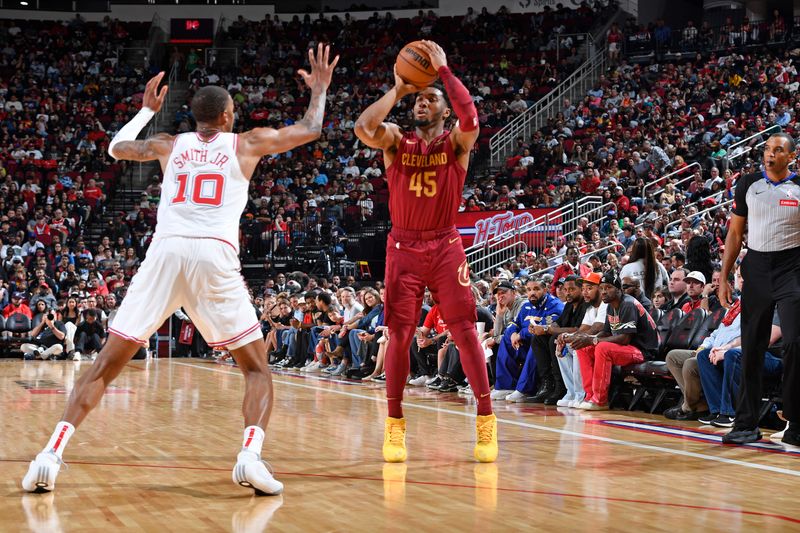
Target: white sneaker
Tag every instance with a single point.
(516, 397)
(251, 472)
(500, 394)
(430, 380)
(42, 472)
(575, 404)
(563, 402)
(419, 381)
(591, 406)
(76, 356)
(776, 437)
(467, 391)
(313, 366)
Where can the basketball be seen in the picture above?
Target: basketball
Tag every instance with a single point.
(414, 65)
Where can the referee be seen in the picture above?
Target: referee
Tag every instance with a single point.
(768, 203)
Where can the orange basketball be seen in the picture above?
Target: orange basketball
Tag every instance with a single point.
(414, 66)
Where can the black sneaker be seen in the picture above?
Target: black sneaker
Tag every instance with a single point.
(435, 384)
(792, 434)
(677, 413)
(707, 418)
(723, 421)
(382, 377)
(448, 385)
(742, 436)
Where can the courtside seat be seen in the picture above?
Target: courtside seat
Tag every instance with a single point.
(664, 327)
(653, 379)
(712, 322)
(656, 314)
(684, 335)
(19, 326)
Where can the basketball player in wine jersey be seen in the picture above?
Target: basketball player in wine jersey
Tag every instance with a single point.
(193, 261)
(426, 169)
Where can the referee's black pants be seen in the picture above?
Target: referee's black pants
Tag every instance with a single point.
(770, 278)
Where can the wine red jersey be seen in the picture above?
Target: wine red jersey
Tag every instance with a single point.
(425, 183)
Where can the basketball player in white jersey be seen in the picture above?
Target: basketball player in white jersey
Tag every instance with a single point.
(193, 260)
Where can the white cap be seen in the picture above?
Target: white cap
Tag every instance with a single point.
(697, 276)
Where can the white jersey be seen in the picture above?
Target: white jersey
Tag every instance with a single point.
(204, 191)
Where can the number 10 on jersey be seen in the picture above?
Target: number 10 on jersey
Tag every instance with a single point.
(204, 188)
(423, 183)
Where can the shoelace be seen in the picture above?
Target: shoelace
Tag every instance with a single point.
(60, 461)
(485, 432)
(396, 435)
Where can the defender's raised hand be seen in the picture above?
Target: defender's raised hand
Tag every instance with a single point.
(153, 98)
(321, 70)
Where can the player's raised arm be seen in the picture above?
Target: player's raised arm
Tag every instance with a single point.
(370, 126)
(124, 144)
(259, 142)
(466, 131)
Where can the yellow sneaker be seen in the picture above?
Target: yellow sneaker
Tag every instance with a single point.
(486, 447)
(394, 440)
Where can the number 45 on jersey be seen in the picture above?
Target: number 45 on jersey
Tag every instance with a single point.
(423, 183)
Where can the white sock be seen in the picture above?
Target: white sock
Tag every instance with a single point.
(61, 435)
(253, 439)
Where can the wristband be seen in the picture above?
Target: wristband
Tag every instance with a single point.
(131, 130)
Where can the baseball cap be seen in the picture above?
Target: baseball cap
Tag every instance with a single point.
(593, 278)
(697, 276)
(560, 281)
(612, 278)
(18, 295)
(503, 285)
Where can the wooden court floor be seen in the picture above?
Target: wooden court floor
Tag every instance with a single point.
(157, 454)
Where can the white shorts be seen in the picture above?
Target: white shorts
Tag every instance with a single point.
(200, 275)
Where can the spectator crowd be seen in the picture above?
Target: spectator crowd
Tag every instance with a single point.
(661, 142)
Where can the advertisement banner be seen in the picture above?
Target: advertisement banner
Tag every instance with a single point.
(477, 227)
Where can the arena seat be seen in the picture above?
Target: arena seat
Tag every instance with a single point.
(712, 322)
(684, 335)
(656, 314)
(18, 325)
(664, 327)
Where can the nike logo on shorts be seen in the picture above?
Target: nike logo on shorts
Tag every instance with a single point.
(451, 241)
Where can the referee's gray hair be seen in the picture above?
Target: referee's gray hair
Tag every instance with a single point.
(786, 137)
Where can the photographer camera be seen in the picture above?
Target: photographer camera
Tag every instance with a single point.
(47, 336)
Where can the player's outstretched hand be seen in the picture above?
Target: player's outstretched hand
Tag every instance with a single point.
(153, 98)
(319, 78)
(436, 53)
(401, 86)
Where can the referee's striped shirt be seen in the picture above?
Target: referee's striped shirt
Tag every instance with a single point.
(772, 211)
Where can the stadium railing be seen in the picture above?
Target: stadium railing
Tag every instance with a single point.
(668, 176)
(504, 142)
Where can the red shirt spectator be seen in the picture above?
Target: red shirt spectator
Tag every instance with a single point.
(17, 306)
(42, 231)
(92, 193)
(589, 183)
(434, 320)
(571, 266)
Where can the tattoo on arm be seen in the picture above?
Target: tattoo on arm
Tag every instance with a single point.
(315, 112)
(147, 150)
